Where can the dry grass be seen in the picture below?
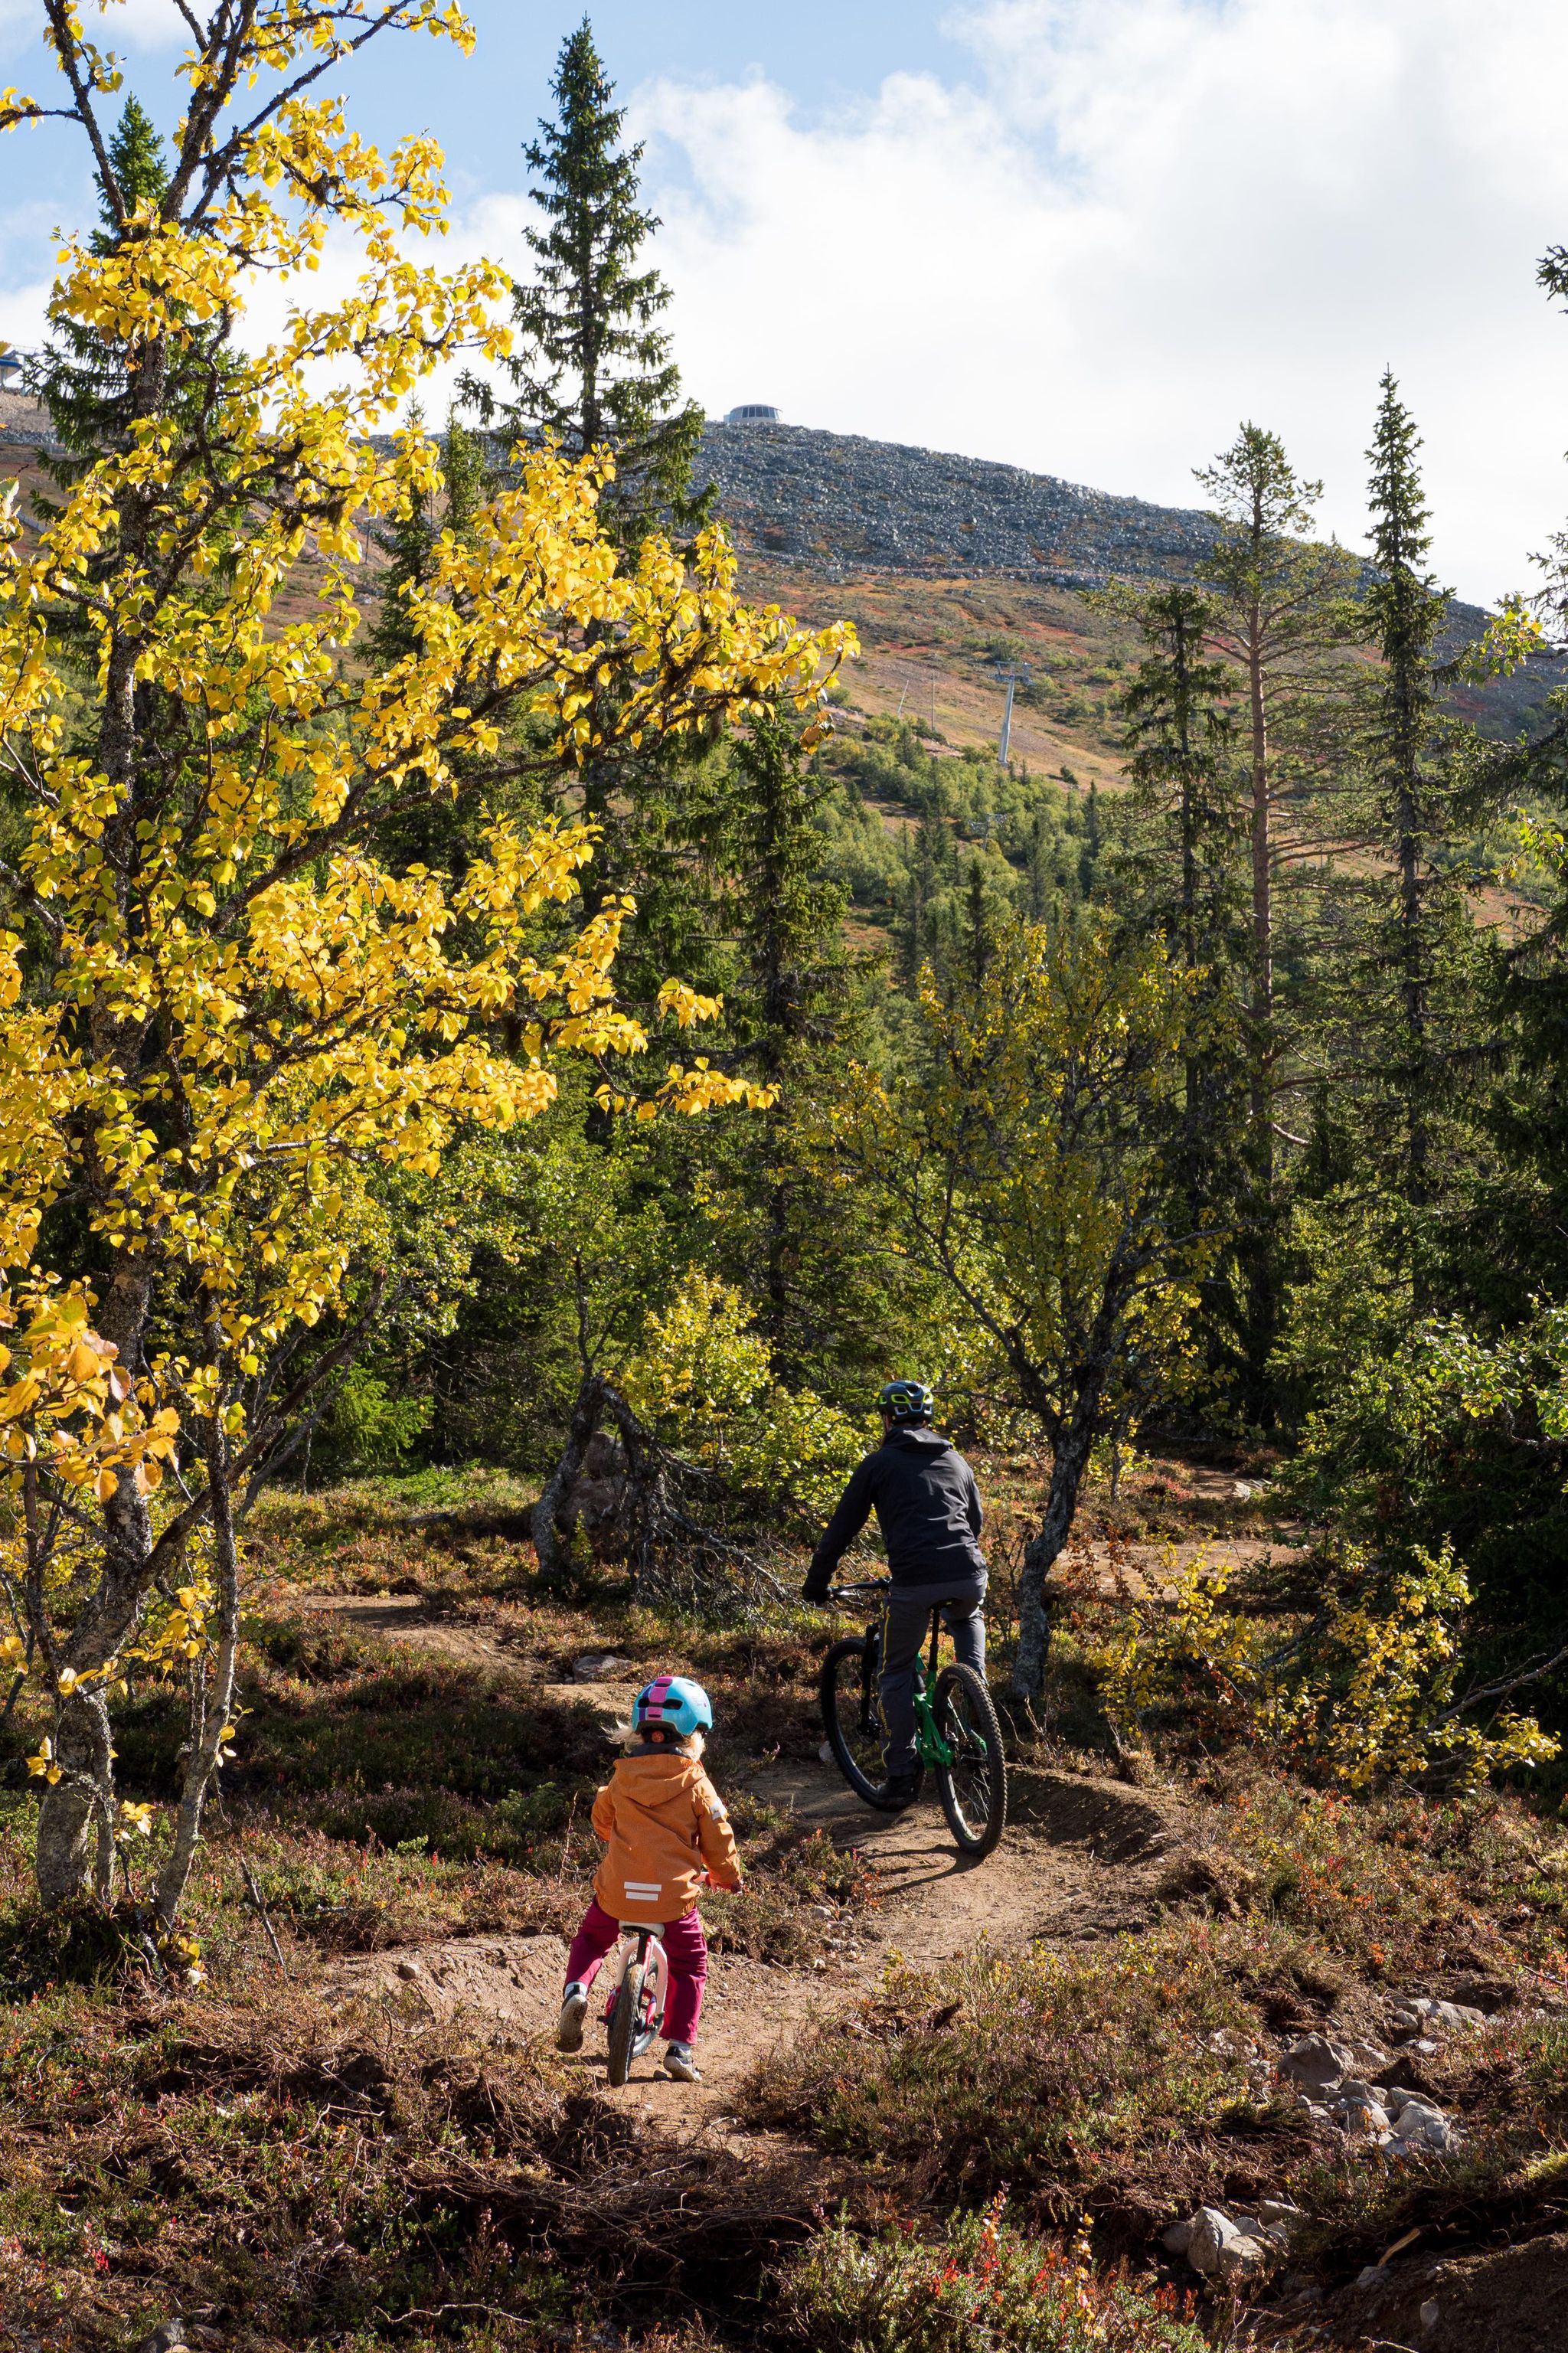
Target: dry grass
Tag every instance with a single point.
(289, 2171)
(291, 2174)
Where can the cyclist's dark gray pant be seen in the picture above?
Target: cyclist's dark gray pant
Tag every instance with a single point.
(908, 1619)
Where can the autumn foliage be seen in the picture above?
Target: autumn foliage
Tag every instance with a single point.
(228, 1014)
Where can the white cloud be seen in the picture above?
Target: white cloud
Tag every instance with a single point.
(1142, 221)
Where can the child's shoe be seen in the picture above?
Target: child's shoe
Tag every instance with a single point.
(679, 2064)
(574, 2010)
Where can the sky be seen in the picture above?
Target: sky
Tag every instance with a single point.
(1086, 237)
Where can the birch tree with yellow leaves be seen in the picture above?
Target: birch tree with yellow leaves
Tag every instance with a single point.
(225, 1016)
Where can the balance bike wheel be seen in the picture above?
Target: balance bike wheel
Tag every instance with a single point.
(624, 2023)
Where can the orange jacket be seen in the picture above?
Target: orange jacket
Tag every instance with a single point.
(665, 1830)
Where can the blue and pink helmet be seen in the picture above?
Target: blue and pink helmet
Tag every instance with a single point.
(672, 1703)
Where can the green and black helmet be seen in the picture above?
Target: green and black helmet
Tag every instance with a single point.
(906, 1401)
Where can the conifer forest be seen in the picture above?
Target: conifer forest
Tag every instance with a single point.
(506, 1045)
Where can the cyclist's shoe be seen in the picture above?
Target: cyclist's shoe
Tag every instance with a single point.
(899, 1791)
(680, 2065)
(574, 2010)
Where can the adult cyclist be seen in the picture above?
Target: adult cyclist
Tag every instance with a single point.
(928, 1508)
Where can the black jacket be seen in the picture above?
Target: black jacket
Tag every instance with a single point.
(927, 1506)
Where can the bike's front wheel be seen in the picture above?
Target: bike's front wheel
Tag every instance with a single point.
(974, 1785)
(624, 2019)
(852, 1713)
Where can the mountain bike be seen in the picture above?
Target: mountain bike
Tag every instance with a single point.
(634, 2010)
(958, 1736)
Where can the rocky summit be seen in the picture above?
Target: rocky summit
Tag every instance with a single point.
(839, 501)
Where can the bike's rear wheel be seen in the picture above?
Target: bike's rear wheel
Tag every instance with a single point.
(974, 1787)
(624, 2021)
(650, 2006)
(852, 1715)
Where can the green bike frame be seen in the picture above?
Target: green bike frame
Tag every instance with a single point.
(930, 1745)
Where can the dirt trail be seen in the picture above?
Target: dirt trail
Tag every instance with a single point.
(1078, 1860)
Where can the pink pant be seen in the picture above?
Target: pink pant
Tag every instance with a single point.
(684, 1943)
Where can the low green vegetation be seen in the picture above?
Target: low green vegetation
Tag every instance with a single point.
(981, 2283)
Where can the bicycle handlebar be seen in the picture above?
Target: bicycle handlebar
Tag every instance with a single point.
(866, 1585)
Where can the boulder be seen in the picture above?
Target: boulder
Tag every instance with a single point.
(1419, 2126)
(1453, 2018)
(1244, 2256)
(1361, 2115)
(601, 1667)
(1418, 2013)
(1220, 2249)
(1177, 2238)
(1315, 2063)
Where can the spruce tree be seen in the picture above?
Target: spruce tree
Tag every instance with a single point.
(977, 927)
(88, 381)
(1281, 609)
(1183, 867)
(82, 377)
(791, 1002)
(592, 364)
(1403, 1013)
(1280, 606)
(1176, 713)
(1416, 770)
(1089, 874)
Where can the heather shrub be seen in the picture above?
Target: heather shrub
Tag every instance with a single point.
(982, 2285)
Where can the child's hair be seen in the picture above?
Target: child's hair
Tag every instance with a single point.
(658, 1740)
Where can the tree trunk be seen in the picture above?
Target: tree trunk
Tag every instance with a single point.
(74, 1854)
(209, 1710)
(1067, 1470)
(597, 1402)
(75, 1849)
(586, 1418)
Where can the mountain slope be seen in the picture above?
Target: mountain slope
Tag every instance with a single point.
(895, 528)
